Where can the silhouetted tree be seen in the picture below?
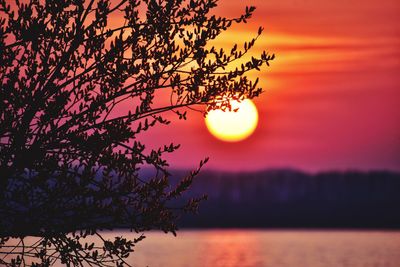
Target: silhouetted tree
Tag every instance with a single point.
(80, 80)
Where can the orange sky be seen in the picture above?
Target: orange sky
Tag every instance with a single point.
(331, 96)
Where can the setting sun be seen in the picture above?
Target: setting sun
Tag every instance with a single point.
(233, 126)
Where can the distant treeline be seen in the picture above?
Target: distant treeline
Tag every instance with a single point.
(287, 198)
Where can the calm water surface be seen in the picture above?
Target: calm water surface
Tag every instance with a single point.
(269, 248)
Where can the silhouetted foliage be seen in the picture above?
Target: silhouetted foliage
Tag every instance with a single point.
(295, 199)
(80, 81)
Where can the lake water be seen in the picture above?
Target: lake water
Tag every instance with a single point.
(268, 248)
(263, 248)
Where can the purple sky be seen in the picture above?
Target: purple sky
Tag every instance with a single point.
(332, 96)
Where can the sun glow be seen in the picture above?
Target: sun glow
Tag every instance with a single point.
(233, 126)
